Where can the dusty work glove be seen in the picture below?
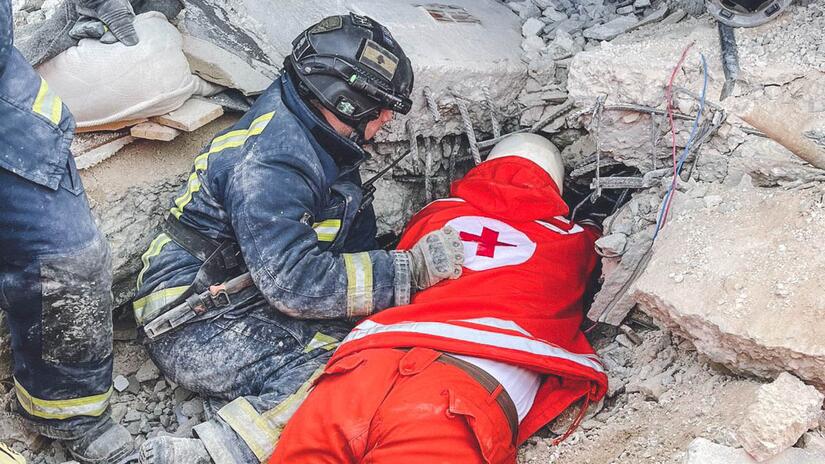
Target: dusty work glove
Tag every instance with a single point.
(108, 20)
(437, 256)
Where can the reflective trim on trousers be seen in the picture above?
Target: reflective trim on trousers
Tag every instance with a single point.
(260, 432)
(154, 249)
(146, 308)
(94, 405)
(477, 336)
(359, 284)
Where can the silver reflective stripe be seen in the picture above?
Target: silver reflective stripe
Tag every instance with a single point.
(215, 441)
(359, 284)
(254, 429)
(573, 230)
(482, 337)
(48, 104)
(93, 405)
(498, 323)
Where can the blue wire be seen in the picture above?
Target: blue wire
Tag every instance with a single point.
(684, 156)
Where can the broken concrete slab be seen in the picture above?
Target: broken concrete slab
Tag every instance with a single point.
(783, 411)
(94, 148)
(219, 66)
(635, 69)
(611, 29)
(470, 52)
(740, 280)
(154, 131)
(194, 114)
(703, 451)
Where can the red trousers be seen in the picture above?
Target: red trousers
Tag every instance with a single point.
(387, 406)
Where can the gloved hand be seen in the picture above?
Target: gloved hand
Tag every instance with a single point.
(116, 15)
(437, 256)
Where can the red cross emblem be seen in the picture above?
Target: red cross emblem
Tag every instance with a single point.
(487, 241)
(490, 243)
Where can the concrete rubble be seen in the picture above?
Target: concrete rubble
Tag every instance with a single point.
(697, 329)
(703, 451)
(783, 411)
(701, 283)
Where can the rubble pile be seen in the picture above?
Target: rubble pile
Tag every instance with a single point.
(554, 31)
(701, 281)
(712, 335)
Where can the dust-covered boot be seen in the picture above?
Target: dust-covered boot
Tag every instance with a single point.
(173, 450)
(108, 443)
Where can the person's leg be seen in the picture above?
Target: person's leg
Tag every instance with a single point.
(255, 359)
(333, 424)
(385, 406)
(438, 413)
(55, 286)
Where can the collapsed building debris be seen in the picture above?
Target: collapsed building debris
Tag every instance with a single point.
(544, 70)
(784, 410)
(701, 281)
(703, 451)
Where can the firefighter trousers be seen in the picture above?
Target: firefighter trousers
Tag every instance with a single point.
(55, 291)
(254, 364)
(383, 406)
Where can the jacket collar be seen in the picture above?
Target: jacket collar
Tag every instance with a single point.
(343, 151)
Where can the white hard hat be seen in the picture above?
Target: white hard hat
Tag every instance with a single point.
(535, 148)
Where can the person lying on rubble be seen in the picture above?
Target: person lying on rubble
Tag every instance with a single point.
(472, 367)
(55, 269)
(279, 195)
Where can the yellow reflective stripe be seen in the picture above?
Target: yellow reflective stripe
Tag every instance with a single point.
(47, 103)
(147, 307)
(232, 139)
(154, 249)
(192, 185)
(253, 428)
(280, 414)
(327, 230)
(359, 284)
(9, 456)
(94, 405)
(321, 340)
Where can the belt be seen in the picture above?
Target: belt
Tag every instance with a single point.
(491, 385)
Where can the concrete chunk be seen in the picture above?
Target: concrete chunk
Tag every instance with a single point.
(94, 148)
(217, 65)
(154, 131)
(611, 29)
(702, 451)
(750, 292)
(192, 115)
(784, 410)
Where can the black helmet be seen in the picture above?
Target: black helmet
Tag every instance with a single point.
(746, 13)
(354, 67)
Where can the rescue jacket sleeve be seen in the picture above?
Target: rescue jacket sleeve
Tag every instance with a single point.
(6, 32)
(271, 200)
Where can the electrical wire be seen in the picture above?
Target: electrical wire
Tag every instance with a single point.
(677, 168)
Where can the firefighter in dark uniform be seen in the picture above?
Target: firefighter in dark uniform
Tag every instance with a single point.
(55, 270)
(279, 195)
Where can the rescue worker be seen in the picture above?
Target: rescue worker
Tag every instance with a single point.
(472, 367)
(55, 269)
(279, 194)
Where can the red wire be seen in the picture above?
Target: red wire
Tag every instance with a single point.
(669, 97)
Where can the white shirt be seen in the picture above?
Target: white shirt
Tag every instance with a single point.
(521, 384)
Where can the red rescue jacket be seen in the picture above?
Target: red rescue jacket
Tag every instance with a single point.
(519, 299)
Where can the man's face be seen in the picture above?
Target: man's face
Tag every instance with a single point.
(373, 126)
